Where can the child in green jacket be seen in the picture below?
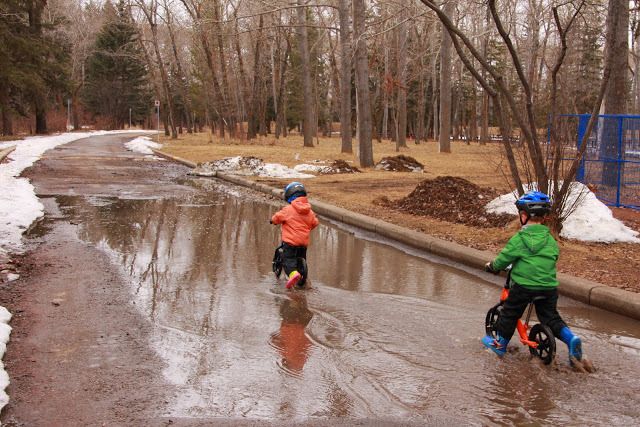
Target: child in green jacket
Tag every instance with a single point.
(532, 253)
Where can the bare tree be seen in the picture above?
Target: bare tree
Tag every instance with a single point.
(150, 11)
(401, 132)
(365, 151)
(444, 143)
(303, 41)
(345, 77)
(616, 96)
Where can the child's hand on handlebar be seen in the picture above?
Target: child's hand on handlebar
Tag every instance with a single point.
(489, 268)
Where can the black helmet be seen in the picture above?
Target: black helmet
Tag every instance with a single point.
(534, 203)
(293, 190)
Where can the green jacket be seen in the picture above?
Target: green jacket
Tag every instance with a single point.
(533, 252)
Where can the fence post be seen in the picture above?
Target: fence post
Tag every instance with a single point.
(619, 160)
(583, 121)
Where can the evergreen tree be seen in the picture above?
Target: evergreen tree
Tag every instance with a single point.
(33, 62)
(116, 73)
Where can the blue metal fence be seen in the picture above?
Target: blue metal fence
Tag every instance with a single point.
(611, 164)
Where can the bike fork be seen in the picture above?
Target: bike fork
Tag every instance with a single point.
(523, 329)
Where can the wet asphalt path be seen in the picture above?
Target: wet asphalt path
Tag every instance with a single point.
(382, 332)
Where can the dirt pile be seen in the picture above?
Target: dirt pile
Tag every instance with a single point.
(340, 166)
(400, 163)
(450, 199)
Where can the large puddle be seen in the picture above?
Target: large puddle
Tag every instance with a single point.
(382, 333)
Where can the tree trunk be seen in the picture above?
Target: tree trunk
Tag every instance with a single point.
(473, 119)
(226, 110)
(303, 41)
(243, 83)
(345, 77)
(35, 8)
(254, 106)
(152, 16)
(281, 123)
(180, 76)
(484, 109)
(444, 142)
(7, 123)
(365, 151)
(402, 85)
(385, 96)
(421, 107)
(616, 95)
(75, 115)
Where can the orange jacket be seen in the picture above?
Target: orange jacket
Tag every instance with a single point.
(297, 221)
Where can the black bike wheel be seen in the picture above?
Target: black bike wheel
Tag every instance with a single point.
(302, 269)
(491, 320)
(546, 349)
(276, 264)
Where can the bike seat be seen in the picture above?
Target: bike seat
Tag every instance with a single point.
(538, 298)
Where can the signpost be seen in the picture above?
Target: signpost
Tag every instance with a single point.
(157, 104)
(69, 114)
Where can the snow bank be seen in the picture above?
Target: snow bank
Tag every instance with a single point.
(5, 331)
(142, 145)
(305, 167)
(591, 221)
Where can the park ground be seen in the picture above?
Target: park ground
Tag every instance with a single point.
(613, 264)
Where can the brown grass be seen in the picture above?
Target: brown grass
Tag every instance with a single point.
(612, 264)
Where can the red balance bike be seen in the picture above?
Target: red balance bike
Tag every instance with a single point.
(538, 338)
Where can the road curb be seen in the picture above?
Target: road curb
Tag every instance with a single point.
(6, 151)
(174, 158)
(583, 290)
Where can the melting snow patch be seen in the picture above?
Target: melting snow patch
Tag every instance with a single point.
(5, 331)
(248, 166)
(305, 167)
(142, 145)
(591, 221)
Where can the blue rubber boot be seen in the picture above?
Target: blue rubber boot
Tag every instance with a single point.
(498, 346)
(573, 342)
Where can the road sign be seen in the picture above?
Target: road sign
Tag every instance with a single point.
(157, 103)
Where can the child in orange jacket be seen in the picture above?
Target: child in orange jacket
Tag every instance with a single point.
(297, 221)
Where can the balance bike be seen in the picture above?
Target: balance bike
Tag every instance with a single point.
(278, 263)
(539, 338)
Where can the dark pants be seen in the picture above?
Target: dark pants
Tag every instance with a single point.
(291, 255)
(515, 305)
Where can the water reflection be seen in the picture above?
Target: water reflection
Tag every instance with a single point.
(291, 339)
(382, 334)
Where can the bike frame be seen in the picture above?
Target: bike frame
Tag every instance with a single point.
(522, 327)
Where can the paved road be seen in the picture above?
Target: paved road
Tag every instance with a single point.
(149, 300)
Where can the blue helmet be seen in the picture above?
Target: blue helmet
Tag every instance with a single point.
(534, 203)
(294, 190)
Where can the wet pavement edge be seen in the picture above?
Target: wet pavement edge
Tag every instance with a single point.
(596, 294)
